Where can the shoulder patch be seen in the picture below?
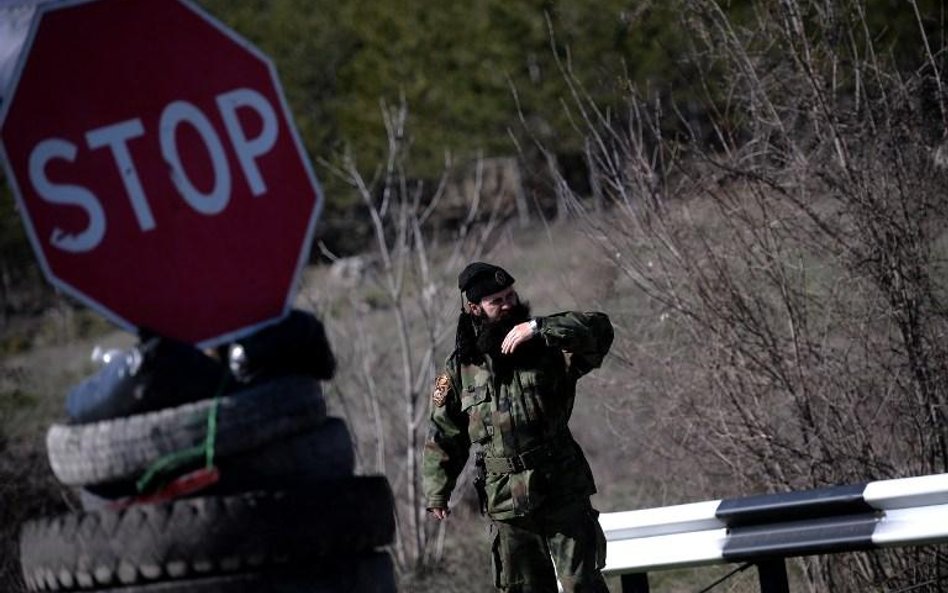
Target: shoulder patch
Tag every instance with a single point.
(440, 394)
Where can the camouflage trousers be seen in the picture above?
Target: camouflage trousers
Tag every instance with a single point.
(525, 550)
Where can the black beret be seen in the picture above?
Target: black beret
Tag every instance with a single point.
(478, 280)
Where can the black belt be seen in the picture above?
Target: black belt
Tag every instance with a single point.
(531, 459)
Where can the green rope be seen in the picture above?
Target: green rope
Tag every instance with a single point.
(169, 461)
(177, 459)
(211, 438)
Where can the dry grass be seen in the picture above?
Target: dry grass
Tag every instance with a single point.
(621, 416)
(556, 268)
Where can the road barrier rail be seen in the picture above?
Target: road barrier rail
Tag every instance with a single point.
(765, 529)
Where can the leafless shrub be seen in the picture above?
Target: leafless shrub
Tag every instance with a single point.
(801, 248)
(393, 346)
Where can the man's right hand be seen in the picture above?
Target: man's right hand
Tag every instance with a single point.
(440, 513)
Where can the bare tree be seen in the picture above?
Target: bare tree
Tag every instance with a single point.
(399, 341)
(800, 245)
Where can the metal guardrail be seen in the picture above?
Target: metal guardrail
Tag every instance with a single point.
(766, 529)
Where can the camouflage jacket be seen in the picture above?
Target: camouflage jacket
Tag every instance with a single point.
(518, 420)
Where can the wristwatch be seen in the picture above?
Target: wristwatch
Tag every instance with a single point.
(534, 326)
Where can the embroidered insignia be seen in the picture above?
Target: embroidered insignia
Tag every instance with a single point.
(500, 277)
(440, 394)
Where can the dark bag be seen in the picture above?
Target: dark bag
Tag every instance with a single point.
(296, 345)
(157, 373)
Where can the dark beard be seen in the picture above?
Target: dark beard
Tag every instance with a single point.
(476, 336)
(491, 334)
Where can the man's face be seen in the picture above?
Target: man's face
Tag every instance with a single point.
(496, 306)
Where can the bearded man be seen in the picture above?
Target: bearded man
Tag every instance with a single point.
(508, 390)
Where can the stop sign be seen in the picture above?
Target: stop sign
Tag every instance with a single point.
(157, 168)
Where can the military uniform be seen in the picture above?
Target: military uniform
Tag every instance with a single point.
(537, 481)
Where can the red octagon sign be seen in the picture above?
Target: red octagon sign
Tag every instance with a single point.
(157, 168)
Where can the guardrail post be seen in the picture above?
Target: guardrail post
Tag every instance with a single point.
(636, 582)
(773, 576)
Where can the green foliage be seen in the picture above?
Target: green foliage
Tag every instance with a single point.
(14, 343)
(459, 66)
(14, 247)
(456, 65)
(15, 401)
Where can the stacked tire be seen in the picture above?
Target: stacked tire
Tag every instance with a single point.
(282, 512)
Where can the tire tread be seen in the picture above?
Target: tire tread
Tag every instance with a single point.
(207, 535)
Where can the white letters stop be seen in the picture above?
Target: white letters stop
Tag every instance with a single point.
(116, 136)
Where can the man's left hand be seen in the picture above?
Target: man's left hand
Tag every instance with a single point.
(518, 335)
